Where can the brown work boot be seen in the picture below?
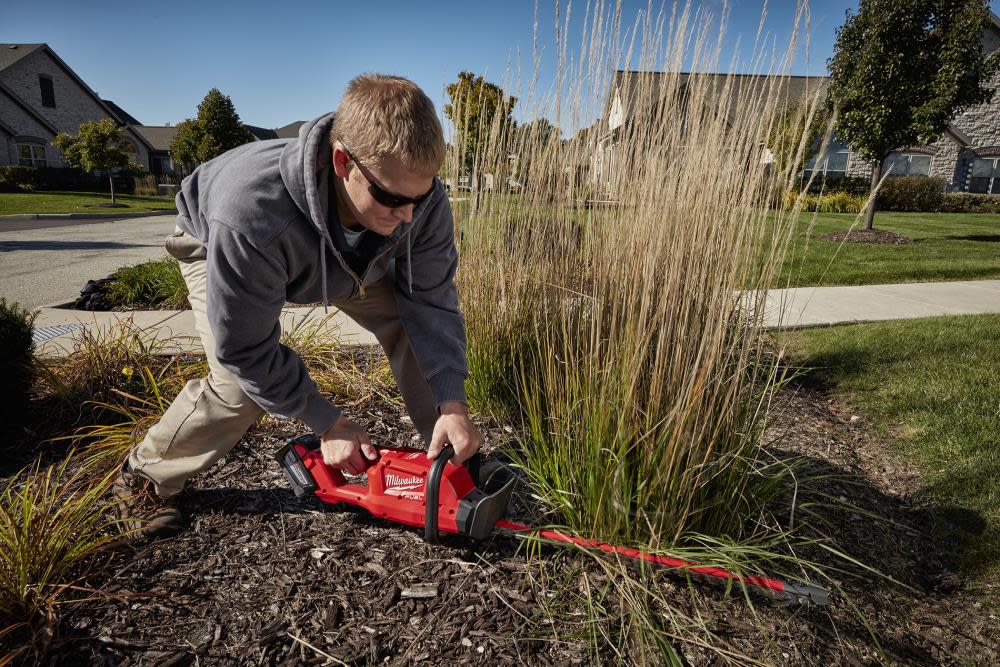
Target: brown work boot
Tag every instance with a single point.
(144, 512)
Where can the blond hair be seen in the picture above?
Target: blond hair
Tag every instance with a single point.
(381, 115)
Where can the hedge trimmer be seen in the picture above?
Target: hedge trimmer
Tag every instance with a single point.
(405, 487)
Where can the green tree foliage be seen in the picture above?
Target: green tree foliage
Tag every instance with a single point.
(534, 141)
(537, 132)
(797, 135)
(184, 145)
(900, 71)
(481, 112)
(217, 129)
(98, 146)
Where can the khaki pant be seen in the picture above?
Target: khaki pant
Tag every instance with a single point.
(209, 416)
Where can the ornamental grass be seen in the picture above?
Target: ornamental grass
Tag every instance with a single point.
(613, 282)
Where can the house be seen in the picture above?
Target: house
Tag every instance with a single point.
(966, 155)
(290, 131)
(158, 138)
(40, 96)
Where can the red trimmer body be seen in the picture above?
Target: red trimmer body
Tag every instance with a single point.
(403, 486)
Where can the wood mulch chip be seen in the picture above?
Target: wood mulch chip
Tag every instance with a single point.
(264, 578)
(868, 236)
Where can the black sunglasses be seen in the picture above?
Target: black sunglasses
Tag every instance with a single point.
(379, 193)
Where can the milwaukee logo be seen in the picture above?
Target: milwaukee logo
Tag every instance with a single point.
(396, 480)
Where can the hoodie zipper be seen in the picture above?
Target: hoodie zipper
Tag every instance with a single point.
(360, 281)
(347, 270)
(376, 258)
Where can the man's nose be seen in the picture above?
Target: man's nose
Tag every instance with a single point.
(405, 213)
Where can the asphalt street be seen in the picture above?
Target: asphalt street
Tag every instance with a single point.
(47, 261)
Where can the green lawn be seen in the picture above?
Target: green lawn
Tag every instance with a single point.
(78, 202)
(950, 246)
(932, 387)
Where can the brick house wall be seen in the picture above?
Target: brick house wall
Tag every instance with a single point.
(73, 105)
(23, 127)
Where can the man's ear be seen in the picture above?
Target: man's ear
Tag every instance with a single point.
(341, 162)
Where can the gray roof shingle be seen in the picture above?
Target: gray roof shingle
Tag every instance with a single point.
(11, 53)
(643, 89)
(124, 116)
(290, 131)
(261, 133)
(157, 136)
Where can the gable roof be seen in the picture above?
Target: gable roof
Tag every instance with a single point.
(643, 89)
(158, 137)
(11, 53)
(261, 133)
(290, 131)
(121, 114)
(16, 52)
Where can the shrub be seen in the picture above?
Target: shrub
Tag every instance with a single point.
(16, 363)
(28, 179)
(852, 185)
(839, 202)
(912, 193)
(965, 202)
(156, 283)
(18, 179)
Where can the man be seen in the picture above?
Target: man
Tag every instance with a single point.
(348, 214)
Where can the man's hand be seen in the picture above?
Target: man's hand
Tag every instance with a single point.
(455, 428)
(344, 444)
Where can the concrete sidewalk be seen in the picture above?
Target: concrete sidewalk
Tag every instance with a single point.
(56, 328)
(803, 307)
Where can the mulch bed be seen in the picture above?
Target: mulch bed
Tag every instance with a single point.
(262, 576)
(868, 236)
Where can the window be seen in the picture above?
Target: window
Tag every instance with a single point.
(907, 164)
(985, 176)
(48, 91)
(31, 155)
(160, 165)
(832, 164)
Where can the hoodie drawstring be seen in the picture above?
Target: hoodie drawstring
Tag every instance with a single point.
(322, 272)
(409, 259)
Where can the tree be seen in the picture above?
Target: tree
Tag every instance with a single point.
(184, 145)
(534, 141)
(538, 132)
(901, 69)
(481, 112)
(217, 129)
(98, 146)
(795, 136)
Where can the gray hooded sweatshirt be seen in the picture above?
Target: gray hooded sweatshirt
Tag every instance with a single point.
(261, 210)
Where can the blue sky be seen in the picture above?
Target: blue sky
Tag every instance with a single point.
(287, 61)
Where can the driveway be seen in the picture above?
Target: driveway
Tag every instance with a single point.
(44, 262)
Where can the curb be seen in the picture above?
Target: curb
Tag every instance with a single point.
(86, 216)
